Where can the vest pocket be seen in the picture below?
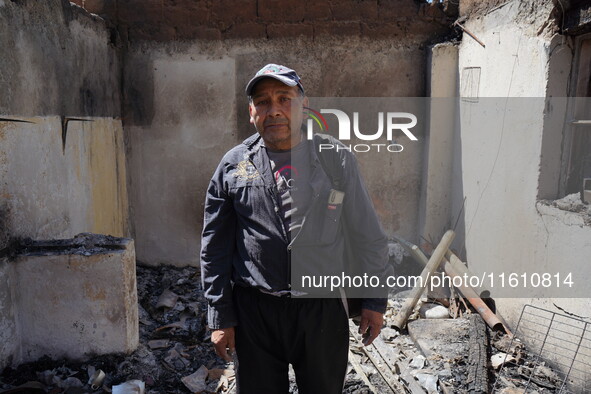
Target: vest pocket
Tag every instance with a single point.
(331, 223)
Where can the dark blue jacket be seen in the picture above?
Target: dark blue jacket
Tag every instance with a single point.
(244, 240)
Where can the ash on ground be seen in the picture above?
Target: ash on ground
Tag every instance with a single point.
(175, 354)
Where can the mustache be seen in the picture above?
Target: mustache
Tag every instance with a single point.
(275, 122)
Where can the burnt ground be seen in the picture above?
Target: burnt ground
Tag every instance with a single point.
(174, 344)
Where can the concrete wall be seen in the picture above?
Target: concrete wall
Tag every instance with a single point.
(185, 107)
(507, 162)
(435, 214)
(173, 20)
(55, 182)
(51, 192)
(74, 301)
(185, 72)
(58, 181)
(9, 339)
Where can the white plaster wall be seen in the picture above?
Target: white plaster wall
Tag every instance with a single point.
(435, 216)
(501, 159)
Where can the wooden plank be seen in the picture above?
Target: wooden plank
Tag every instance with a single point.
(353, 359)
(432, 265)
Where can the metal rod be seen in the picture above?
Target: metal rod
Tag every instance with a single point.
(574, 358)
(474, 299)
(539, 355)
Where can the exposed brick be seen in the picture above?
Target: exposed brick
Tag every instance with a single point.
(424, 29)
(290, 30)
(382, 30)
(246, 30)
(277, 11)
(392, 10)
(95, 6)
(177, 14)
(337, 28)
(432, 11)
(187, 32)
(140, 12)
(318, 10)
(358, 10)
(140, 31)
(225, 13)
(234, 10)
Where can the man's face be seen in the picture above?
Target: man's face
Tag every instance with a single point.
(276, 110)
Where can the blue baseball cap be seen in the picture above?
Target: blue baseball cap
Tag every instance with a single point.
(281, 73)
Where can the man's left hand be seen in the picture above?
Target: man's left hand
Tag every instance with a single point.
(371, 325)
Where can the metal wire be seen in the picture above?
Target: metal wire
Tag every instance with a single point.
(552, 342)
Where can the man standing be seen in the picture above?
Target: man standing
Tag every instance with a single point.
(259, 211)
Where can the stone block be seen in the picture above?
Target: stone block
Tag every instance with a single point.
(76, 297)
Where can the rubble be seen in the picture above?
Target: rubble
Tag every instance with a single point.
(571, 203)
(176, 356)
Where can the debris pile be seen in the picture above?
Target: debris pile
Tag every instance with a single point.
(572, 203)
(432, 355)
(175, 353)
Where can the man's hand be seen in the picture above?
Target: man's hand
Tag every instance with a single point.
(371, 325)
(223, 339)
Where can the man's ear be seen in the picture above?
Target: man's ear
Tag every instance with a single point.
(305, 103)
(250, 111)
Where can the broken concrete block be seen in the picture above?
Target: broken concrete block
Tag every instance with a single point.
(76, 297)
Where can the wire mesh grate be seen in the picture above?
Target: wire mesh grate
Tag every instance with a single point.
(552, 354)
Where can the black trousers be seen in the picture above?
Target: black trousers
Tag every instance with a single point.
(273, 332)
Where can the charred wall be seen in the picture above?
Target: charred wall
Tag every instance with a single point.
(185, 106)
(230, 19)
(185, 67)
(62, 158)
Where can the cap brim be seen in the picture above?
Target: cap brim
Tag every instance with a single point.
(283, 79)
